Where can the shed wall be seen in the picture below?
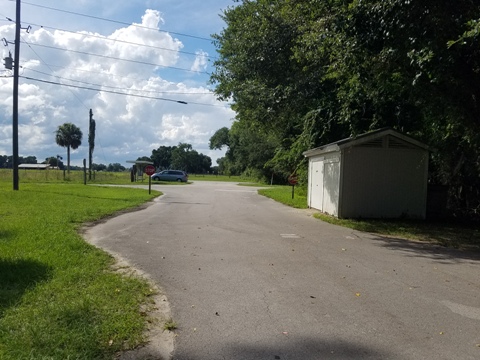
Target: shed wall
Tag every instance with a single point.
(324, 183)
(384, 183)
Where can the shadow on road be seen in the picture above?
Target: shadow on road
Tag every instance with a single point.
(430, 251)
(293, 349)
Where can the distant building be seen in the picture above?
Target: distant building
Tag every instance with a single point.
(34, 166)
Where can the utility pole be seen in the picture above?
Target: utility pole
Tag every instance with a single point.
(91, 144)
(15, 98)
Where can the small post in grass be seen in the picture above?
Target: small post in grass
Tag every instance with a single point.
(84, 172)
(293, 180)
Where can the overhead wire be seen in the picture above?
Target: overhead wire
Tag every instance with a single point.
(102, 88)
(116, 58)
(118, 88)
(99, 87)
(29, 45)
(116, 21)
(106, 91)
(71, 91)
(118, 40)
(116, 92)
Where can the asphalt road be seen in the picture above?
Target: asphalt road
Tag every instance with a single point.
(248, 278)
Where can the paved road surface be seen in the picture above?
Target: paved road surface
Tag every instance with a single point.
(248, 278)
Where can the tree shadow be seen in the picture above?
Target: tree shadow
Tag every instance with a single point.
(17, 276)
(293, 349)
(428, 250)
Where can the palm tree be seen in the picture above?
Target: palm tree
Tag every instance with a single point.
(69, 136)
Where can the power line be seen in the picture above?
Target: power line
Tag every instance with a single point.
(116, 92)
(115, 58)
(75, 95)
(119, 88)
(109, 74)
(121, 41)
(116, 21)
(106, 91)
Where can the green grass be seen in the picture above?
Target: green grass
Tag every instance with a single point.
(283, 194)
(102, 177)
(224, 178)
(59, 176)
(59, 298)
(170, 325)
(447, 233)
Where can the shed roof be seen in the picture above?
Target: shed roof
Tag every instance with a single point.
(140, 162)
(363, 138)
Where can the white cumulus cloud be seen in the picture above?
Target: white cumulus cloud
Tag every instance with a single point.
(132, 77)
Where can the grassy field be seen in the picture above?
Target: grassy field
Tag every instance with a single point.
(102, 177)
(75, 176)
(59, 298)
(225, 178)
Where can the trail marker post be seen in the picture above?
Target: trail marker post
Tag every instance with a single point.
(293, 180)
(149, 170)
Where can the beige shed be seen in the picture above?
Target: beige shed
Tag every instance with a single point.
(380, 174)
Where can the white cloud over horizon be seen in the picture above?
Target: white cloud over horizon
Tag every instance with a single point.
(161, 70)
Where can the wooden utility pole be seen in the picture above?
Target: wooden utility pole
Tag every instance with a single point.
(15, 99)
(91, 144)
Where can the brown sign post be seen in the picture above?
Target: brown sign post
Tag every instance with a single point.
(293, 180)
(149, 170)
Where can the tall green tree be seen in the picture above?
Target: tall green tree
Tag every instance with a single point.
(184, 157)
(54, 161)
(70, 136)
(305, 73)
(162, 157)
(115, 167)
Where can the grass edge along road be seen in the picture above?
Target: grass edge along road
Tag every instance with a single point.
(59, 296)
(450, 234)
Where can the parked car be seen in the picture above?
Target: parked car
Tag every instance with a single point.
(171, 175)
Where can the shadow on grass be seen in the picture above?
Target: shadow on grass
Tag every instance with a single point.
(16, 276)
(6, 235)
(428, 250)
(454, 235)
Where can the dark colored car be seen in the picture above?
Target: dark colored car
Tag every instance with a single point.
(171, 175)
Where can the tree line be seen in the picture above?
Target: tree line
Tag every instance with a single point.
(6, 162)
(301, 74)
(180, 157)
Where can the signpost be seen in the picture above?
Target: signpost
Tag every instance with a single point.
(293, 180)
(149, 170)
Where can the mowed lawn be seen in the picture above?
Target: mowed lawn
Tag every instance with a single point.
(59, 296)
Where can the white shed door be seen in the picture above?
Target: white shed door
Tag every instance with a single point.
(331, 186)
(316, 186)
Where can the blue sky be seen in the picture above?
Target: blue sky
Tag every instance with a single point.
(152, 49)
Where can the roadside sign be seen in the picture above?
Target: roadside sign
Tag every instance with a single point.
(293, 179)
(149, 170)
